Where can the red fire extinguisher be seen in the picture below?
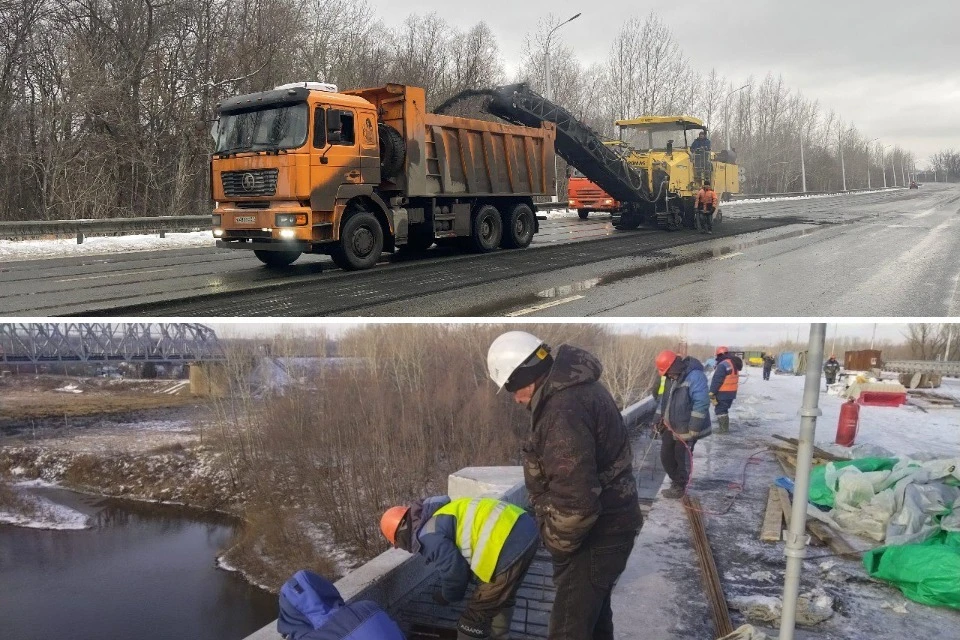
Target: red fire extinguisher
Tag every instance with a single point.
(848, 423)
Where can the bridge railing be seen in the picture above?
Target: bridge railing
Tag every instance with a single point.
(31, 229)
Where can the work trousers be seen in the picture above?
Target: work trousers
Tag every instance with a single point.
(724, 402)
(676, 458)
(766, 373)
(584, 582)
(706, 218)
(490, 598)
(831, 378)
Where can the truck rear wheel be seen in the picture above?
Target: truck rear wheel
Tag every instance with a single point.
(487, 229)
(361, 242)
(276, 258)
(518, 227)
(583, 213)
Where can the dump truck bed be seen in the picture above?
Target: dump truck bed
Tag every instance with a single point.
(452, 156)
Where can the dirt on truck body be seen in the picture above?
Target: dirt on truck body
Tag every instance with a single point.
(307, 169)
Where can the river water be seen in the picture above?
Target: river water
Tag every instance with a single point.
(143, 572)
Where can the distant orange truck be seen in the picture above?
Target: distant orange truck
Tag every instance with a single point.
(305, 168)
(585, 196)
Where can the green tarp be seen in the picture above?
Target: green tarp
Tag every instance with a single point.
(823, 495)
(928, 573)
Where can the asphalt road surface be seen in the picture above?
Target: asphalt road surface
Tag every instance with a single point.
(882, 254)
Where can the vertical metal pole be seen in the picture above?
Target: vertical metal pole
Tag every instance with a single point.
(546, 62)
(883, 169)
(803, 167)
(873, 337)
(946, 352)
(796, 536)
(843, 167)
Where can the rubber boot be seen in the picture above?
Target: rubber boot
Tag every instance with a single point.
(675, 491)
(723, 423)
(500, 625)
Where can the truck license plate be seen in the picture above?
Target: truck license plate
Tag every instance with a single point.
(245, 219)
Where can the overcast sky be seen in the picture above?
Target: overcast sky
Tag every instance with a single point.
(734, 333)
(889, 67)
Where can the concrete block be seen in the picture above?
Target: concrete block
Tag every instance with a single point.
(502, 483)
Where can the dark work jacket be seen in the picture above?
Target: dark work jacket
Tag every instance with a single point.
(831, 367)
(577, 461)
(436, 541)
(721, 372)
(685, 404)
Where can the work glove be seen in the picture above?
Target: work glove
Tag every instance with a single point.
(659, 427)
(713, 399)
(439, 599)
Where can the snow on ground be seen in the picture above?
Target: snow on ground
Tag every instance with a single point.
(11, 250)
(44, 513)
(807, 197)
(773, 407)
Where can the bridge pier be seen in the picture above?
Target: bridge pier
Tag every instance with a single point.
(209, 379)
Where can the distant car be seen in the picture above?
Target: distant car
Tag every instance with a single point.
(914, 185)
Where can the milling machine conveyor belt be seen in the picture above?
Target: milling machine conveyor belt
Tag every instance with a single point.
(576, 143)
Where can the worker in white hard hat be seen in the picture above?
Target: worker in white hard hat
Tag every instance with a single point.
(577, 466)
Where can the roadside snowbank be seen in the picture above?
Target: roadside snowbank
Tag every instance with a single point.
(808, 197)
(12, 250)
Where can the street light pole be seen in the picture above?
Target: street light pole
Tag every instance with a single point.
(869, 158)
(803, 166)
(843, 168)
(883, 166)
(726, 114)
(546, 63)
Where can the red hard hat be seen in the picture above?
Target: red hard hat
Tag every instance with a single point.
(664, 360)
(390, 522)
(722, 350)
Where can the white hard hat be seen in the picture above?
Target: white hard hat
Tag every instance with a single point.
(508, 352)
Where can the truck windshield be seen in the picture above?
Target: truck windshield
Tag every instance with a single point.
(266, 129)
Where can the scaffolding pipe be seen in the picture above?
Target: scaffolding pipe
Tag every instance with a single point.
(796, 537)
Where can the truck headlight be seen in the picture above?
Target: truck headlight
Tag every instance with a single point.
(288, 234)
(291, 219)
(608, 202)
(217, 220)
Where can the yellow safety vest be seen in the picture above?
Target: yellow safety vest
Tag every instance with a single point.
(663, 385)
(483, 525)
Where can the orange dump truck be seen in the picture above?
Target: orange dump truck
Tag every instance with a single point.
(305, 168)
(585, 196)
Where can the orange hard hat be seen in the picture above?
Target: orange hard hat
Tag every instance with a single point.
(664, 360)
(722, 350)
(390, 522)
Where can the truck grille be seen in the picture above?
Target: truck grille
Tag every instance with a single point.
(256, 182)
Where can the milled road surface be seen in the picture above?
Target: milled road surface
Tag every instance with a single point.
(886, 254)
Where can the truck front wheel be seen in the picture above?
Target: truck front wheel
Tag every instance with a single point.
(276, 258)
(361, 242)
(487, 229)
(583, 213)
(518, 227)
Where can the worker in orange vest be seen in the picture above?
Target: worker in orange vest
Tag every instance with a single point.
(706, 205)
(723, 386)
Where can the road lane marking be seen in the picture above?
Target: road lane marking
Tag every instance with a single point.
(730, 255)
(112, 275)
(542, 306)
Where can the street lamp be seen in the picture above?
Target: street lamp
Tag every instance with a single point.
(883, 167)
(843, 167)
(868, 160)
(726, 114)
(546, 63)
(803, 166)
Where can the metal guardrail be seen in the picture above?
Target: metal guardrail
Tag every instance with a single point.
(22, 230)
(793, 194)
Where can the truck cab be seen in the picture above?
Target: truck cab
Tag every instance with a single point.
(586, 196)
(281, 160)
